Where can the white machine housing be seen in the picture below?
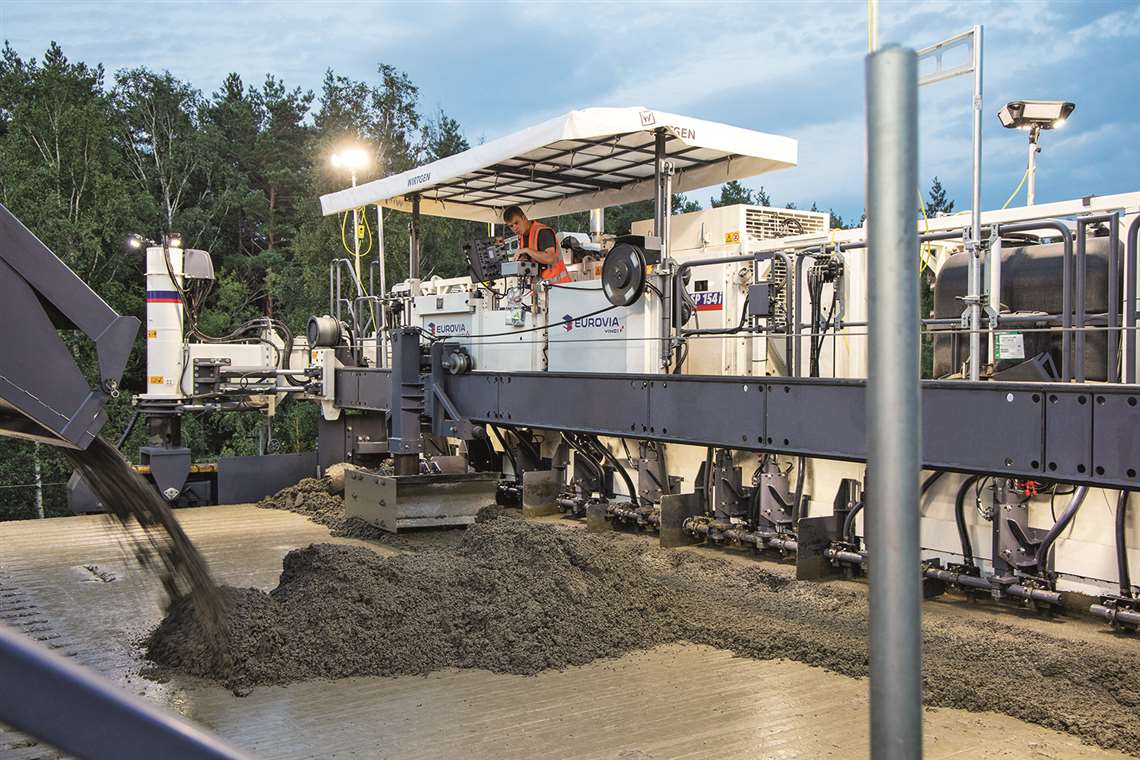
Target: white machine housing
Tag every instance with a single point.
(720, 289)
(169, 356)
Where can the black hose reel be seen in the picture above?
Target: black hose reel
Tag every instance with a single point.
(623, 274)
(323, 332)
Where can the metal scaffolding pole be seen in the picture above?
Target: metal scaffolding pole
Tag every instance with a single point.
(937, 68)
(893, 405)
(382, 318)
(662, 210)
(975, 245)
(1031, 168)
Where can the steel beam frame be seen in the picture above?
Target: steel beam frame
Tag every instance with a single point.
(1079, 433)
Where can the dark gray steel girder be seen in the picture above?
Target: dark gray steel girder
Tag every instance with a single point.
(1078, 433)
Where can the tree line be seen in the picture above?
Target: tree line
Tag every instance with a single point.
(87, 158)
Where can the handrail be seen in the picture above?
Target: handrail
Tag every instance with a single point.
(54, 699)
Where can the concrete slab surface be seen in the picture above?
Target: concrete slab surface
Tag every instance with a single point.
(70, 583)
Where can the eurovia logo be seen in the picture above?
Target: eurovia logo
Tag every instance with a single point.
(444, 328)
(607, 324)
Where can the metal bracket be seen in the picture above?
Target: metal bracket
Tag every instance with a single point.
(1014, 542)
(446, 420)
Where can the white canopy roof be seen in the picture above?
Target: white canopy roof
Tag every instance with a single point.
(592, 158)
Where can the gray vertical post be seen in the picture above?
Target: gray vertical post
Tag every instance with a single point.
(975, 270)
(658, 171)
(406, 401)
(356, 238)
(1113, 375)
(1079, 297)
(661, 211)
(414, 240)
(382, 316)
(893, 405)
(1031, 169)
(1130, 261)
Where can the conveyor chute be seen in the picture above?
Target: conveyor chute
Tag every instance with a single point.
(44, 396)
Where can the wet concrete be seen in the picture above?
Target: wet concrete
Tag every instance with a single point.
(518, 597)
(678, 700)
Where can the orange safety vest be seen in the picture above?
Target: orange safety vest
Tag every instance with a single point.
(554, 274)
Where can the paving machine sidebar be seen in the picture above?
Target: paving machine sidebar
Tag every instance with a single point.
(705, 376)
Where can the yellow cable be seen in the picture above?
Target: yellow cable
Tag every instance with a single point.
(344, 236)
(1017, 190)
(352, 251)
(368, 230)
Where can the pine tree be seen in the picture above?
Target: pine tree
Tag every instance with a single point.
(443, 137)
(938, 203)
(732, 193)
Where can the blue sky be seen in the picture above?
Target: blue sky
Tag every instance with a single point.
(792, 68)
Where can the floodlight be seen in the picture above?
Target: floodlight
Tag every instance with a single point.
(1035, 114)
(351, 158)
(173, 240)
(136, 242)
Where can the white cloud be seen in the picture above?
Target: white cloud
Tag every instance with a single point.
(202, 43)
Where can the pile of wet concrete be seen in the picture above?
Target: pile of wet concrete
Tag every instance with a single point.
(518, 597)
(320, 500)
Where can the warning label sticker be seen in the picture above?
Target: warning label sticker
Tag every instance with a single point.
(1010, 345)
(156, 380)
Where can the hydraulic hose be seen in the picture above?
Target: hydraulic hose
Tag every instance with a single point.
(621, 470)
(663, 471)
(931, 479)
(708, 477)
(127, 430)
(1121, 545)
(960, 519)
(1063, 521)
(507, 450)
(524, 443)
(800, 467)
(586, 457)
(849, 520)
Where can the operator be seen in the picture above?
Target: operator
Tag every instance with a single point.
(537, 243)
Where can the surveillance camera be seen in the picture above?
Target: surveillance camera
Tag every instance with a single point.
(1035, 114)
